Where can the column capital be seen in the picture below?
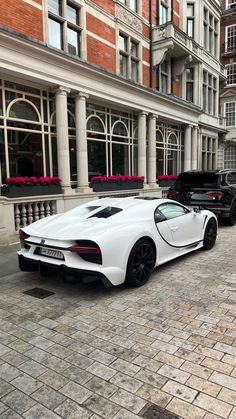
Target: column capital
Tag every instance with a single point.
(152, 116)
(189, 126)
(81, 95)
(61, 90)
(142, 113)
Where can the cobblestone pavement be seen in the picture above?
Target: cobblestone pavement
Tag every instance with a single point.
(165, 350)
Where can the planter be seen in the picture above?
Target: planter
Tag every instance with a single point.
(115, 186)
(166, 183)
(34, 190)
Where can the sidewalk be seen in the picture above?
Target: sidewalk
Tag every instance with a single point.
(165, 350)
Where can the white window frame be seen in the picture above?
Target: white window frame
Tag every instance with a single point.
(130, 58)
(231, 74)
(227, 38)
(230, 3)
(211, 30)
(232, 103)
(66, 25)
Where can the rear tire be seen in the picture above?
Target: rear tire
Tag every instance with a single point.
(210, 234)
(232, 216)
(140, 263)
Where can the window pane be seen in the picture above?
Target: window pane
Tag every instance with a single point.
(123, 65)
(73, 15)
(54, 6)
(189, 92)
(134, 49)
(134, 70)
(54, 34)
(133, 5)
(73, 42)
(190, 27)
(190, 10)
(163, 14)
(123, 42)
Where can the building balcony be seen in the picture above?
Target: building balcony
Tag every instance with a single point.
(168, 40)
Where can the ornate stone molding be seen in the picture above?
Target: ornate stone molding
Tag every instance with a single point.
(179, 65)
(127, 17)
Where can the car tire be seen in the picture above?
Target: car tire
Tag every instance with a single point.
(140, 263)
(232, 215)
(210, 234)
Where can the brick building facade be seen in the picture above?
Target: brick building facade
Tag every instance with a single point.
(227, 150)
(112, 87)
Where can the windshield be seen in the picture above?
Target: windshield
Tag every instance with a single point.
(198, 180)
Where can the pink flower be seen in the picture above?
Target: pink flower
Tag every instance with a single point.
(117, 179)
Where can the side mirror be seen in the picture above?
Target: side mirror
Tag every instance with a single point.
(196, 210)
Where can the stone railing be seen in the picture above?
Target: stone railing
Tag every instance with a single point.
(27, 213)
(16, 213)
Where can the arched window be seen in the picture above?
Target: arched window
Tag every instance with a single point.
(22, 109)
(95, 124)
(120, 130)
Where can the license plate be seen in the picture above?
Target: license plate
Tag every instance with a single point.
(51, 253)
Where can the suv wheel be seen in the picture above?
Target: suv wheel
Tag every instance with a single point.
(232, 215)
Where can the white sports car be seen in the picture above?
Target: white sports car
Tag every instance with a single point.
(115, 239)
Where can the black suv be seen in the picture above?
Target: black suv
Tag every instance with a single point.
(215, 191)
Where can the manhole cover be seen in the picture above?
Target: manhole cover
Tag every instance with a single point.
(39, 293)
(152, 411)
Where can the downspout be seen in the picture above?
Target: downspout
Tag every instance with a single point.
(150, 44)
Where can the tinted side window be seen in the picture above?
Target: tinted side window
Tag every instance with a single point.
(231, 178)
(172, 210)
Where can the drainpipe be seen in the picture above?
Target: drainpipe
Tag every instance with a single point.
(150, 44)
(172, 10)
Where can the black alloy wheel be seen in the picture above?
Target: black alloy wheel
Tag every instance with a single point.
(210, 234)
(232, 216)
(140, 263)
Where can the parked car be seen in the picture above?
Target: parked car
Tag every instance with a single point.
(212, 190)
(115, 239)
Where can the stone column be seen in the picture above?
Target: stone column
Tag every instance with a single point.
(151, 166)
(63, 153)
(81, 143)
(195, 148)
(142, 154)
(187, 147)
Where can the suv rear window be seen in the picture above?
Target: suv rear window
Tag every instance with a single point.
(198, 180)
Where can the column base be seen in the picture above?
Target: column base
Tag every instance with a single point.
(67, 190)
(84, 189)
(152, 185)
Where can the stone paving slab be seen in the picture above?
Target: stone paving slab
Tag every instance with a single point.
(87, 352)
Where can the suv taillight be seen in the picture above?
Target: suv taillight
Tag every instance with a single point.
(87, 250)
(215, 194)
(172, 193)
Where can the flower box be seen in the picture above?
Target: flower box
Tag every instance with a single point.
(24, 186)
(116, 183)
(23, 190)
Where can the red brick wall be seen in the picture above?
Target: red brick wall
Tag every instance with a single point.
(145, 76)
(107, 5)
(145, 55)
(100, 28)
(22, 17)
(176, 88)
(100, 54)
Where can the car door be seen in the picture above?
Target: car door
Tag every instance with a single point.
(180, 227)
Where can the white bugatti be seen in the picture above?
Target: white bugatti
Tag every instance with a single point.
(116, 239)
